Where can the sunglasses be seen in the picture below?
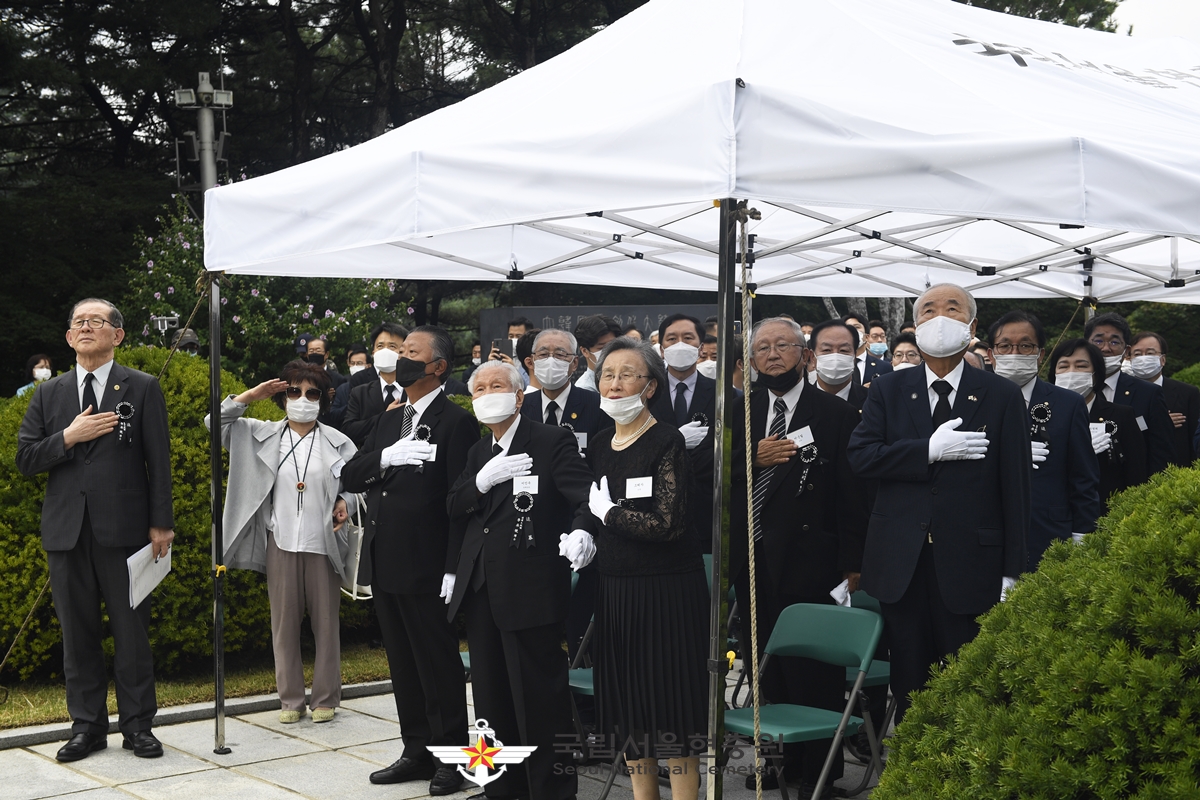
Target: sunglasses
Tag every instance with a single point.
(293, 393)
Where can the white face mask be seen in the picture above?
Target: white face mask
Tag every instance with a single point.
(623, 409)
(835, 368)
(357, 368)
(495, 407)
(551, 373)
(708, 369)
(942, 337)
(41, 374)
(477, 361)
(1112, 364)
(385, 360)
(303, 410)
(1017, 368)
(903, 365)
(1145, 367)
(681, 355)
(1080, 382)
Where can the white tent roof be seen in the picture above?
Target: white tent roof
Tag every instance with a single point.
(882, 140)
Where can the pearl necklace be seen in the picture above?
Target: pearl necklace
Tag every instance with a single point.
(622, 442)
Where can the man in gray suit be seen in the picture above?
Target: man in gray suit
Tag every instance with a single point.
(100, 430)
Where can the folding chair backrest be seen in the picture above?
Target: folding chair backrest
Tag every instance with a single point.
(861, 599)
(833, 634)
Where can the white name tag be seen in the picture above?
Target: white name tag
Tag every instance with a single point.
(802, 437)
(1097, 428)
(581, 440)
(526, 483)
(1141, 421)
(433, 453)
(638, 487)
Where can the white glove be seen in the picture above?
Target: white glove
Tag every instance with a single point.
(947, 444)
(1005, 585)
(447, 587)
(600, 501)
(578, 547)
(693, 434)
(1078, 537)
(405, 451)
(501, 469)
(1101, 442)
(1040, 451)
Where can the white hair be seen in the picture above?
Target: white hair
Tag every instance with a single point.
(791, 323)
(970, 300)
(514, 375)
(557, 332)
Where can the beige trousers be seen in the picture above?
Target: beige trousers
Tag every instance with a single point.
(296, 581)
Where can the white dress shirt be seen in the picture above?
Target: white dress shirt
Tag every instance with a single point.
(790, 398)
(101, 373)
(300, 527)
(505, 441)
(420, 406)
(587, 381)
(1110, 386)
(689, 382)
(560, 401)
(1027, 391)
(954, 378)
(399, 390)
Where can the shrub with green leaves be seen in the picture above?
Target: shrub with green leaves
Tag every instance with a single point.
(181, 607)
(1189, 375)
(1085, 683)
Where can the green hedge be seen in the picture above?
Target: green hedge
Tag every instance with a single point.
(1189, 375)
(1086, 682)
(181, 632)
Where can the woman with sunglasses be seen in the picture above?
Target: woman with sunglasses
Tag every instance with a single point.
(284, 480)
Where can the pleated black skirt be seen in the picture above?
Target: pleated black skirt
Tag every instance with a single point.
(651, 646)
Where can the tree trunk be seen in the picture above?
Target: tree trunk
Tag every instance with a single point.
(830, 308)
(858, 307)
(893, 310)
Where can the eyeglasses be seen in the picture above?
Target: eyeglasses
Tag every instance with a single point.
(764, 350)
(1007, 349)
(94, 322)
(623, 377)
(911, 356)
(293, 393)
(561, 355)
(1102, 343)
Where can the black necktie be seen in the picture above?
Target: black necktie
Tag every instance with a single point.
(390, 394)
(552, 413)
(680, 405)
(89, 396)
(406, 423)
(942, 410)
(497, 449)
(778, 428)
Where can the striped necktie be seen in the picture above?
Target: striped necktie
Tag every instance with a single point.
(778, 428)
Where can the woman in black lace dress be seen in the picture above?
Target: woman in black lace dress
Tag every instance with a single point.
(652, 601)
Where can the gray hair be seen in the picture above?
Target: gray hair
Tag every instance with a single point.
(791, 323)
(557, 332)
(649, 356)
(514, 375)
(970, 300)
(114, 316)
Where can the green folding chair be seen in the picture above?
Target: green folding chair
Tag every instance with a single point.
(465, 655)
(846, 637)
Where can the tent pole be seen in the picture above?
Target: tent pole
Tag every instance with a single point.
(217, 504)
(722, 459)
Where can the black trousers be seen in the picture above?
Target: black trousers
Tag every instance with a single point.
(801, 681)
(519, 683)
(427, 672)
(922, 631)
(80, 578)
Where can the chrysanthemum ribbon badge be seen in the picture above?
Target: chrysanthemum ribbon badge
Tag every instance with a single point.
(486, 759)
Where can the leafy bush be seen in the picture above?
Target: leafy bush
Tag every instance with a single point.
(181, 631)
(1189, 375)
(1086, 682)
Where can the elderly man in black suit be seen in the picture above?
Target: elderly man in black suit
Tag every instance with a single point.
(689, 404)
(810, 520)
(524, 500)
(1110, 332)
(100, 430)
(1148, 356)
(949, 446)
(408, 463)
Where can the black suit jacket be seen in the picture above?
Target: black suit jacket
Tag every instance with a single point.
(1065, 490)
(704, 407)
(1182, 398)
(527, 586)
(408, 531)
(813, 524)
(874, 367)
(126, 488)
(363, 410)
(581, 415)
(977, 512)
(1127, 466)
(1150, 407)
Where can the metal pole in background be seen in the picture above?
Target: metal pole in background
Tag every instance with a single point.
(722, 460)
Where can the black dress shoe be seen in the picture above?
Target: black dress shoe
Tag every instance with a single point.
(81, 745)
(143, 744)
(447, 780)
(402, 770)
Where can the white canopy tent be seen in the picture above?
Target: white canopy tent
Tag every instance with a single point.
(980, 134)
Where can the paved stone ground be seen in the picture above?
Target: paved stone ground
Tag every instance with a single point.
(269, 761)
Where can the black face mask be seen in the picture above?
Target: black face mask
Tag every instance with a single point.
(315, 358)
(409, 371)
(779, 383)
